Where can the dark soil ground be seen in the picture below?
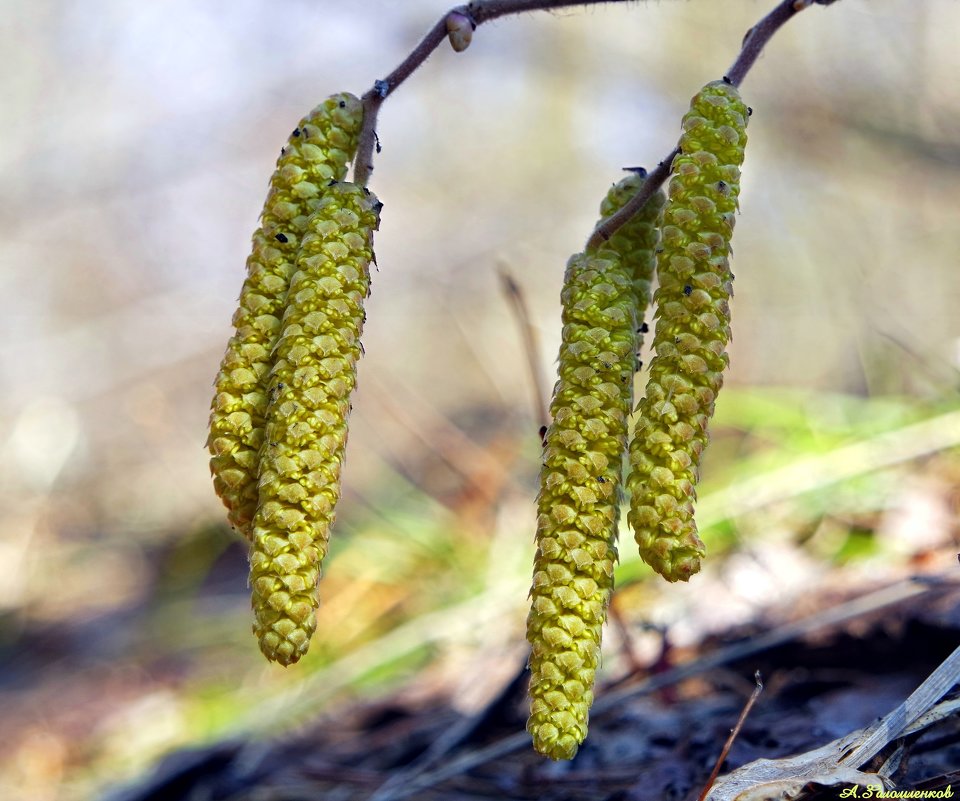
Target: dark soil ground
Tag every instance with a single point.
(652, 735)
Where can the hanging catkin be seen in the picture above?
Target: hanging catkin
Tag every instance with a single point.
(310, 384)
(581, 473)
(636, 241)
(693, 328)
(316, 153)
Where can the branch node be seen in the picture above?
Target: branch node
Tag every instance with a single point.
(381, 87)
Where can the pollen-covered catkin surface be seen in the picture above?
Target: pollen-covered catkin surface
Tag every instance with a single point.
(310, 384)
(693, 328)
(580, 478)
(317, 152)
(637, 240)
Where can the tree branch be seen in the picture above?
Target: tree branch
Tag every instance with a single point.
(480, 11)
(484, 10)
(753, 43)
(757, 37)
(477, 12)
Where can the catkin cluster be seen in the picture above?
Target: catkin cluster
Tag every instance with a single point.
(278, 426)
(317, 152)
(605, 295)
(693, 328)
(605, 292)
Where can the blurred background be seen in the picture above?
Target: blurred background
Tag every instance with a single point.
(136, 145)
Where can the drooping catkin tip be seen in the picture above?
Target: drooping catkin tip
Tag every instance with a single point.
(677, 558)
(555, 742)
(460, 30)
(284, 633)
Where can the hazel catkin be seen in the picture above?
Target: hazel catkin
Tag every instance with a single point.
(310, 385)
(578, 504)
(693, 328)
(636, 240)
(317, 152)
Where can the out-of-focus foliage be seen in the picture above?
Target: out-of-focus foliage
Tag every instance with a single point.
(136, 145)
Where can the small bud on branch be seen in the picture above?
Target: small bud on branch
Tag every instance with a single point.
(460, 30)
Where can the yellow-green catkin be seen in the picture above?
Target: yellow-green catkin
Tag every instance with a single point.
(636, 241)
(317, 152)
(693, 328)
(580, 477)
(310, 384)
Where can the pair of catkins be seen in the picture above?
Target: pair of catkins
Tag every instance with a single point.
(278, 426)
(685, 239)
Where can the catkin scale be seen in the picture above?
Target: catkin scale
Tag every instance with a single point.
(693, 328)
(313, 376)
(581, 474)
(317, 152)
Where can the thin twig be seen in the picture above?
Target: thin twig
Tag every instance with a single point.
(611, 225)
(518, 305)
(753, 43)
(477, 12)
(840, 760)
(615, 616)
(486, 10)
(758, 36)
(733, 736)
(373, 99)
(481, 11)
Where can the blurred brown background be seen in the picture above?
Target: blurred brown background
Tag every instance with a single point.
(136, 144)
